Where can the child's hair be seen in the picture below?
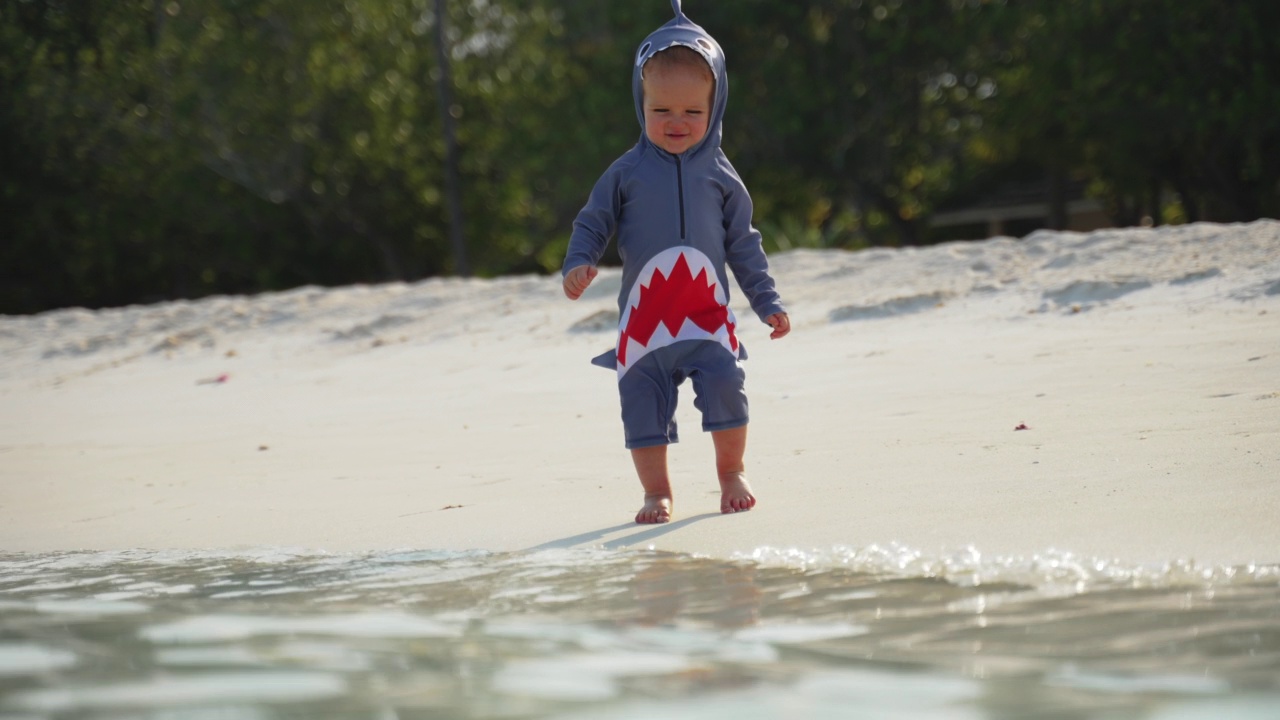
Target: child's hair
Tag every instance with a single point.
(679, 56)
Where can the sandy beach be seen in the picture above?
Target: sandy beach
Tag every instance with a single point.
(1113, 395)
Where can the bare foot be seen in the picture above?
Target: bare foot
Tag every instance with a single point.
(735, 493)
(657, 509)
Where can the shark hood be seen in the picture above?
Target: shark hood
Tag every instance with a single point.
(680, 30)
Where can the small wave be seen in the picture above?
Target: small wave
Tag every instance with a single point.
(1051, 571)
(29, 658)
(244, 687)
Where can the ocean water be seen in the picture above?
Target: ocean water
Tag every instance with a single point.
(877, 632)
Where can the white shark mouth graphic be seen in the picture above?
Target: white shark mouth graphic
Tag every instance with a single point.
(676, 297)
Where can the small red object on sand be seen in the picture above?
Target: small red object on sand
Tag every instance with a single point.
(1022, 426)
(214, 380)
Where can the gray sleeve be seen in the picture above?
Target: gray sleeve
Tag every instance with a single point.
(596, 222)
(744, 250)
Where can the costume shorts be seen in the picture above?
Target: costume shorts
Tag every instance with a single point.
(650, 387)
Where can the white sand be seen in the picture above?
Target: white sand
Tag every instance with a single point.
(464, 414)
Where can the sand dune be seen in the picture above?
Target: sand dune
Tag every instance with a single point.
(1144, 365)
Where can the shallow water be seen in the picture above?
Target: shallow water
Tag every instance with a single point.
(876, 632)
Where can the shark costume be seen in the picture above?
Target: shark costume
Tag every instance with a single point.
(679, 220)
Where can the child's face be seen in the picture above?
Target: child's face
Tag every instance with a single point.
(677, 108)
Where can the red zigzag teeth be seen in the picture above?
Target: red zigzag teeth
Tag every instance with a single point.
(672, 299)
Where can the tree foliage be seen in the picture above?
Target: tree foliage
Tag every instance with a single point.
(155, 149)
(1145, 97)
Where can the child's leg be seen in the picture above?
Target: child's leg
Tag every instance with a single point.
(735, 493)
(651, 466)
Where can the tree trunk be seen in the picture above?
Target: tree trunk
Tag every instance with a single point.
(1057, 198)
(1157, 212)
(452, 192)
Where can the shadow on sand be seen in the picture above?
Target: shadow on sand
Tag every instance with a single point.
(645, 533)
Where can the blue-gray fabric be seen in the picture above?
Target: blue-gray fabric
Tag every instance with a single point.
(649, 392)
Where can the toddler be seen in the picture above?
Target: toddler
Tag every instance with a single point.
(681, 214)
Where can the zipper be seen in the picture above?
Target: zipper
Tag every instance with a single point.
(680, 189)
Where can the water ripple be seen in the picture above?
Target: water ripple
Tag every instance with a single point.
(592, 632)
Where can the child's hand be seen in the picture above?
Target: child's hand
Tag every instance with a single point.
(780, 323)
(577, 281)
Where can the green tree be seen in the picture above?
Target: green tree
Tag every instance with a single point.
(854, 115)
(1143, 97)
(156, 149)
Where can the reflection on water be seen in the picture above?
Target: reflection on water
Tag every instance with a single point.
(877, 632)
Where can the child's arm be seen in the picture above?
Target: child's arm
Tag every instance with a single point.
(577, 280)
(592, 230)
(744, 252)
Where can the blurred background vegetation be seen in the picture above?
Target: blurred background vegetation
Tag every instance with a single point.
(160, 149)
